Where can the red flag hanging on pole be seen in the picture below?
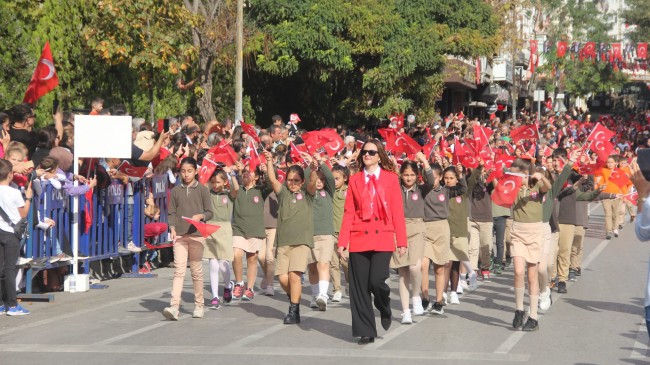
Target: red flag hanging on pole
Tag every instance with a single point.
(561, 49)
(533, 55)
(204, 229)
(250, 130)
(642, 50)
(44, 78)
(617, 53)
(588, 51)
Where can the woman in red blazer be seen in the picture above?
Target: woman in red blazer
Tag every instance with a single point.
(373, 226)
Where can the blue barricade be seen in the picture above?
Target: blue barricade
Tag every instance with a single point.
(117, 217)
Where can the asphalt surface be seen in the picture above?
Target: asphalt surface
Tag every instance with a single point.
(599, 321)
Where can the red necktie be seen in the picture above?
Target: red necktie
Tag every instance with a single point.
(368, 203)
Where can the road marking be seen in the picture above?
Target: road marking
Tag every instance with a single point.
(393, 334)
(265, 351)
(514, 338)
(244, 342)
(641, 349)
(76, 313)
(123, 336)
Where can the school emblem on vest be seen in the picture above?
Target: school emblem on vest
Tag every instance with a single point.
(256, 199)
(224, 200)
(323, 194)
(544, 198)
(299, 196)
(533, 195)
(414, 197)
(459, 200)
(441, 197)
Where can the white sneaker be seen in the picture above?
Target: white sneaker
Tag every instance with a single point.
(198, 313)
(459, 288)
(313, 304)
(473, 284)
(444, 298)
(406, 318)
(321, 302)
(545, 300)
(171, 313)
(616, 233)
(417, 306)
(269, 291)
(337, 296)
(453, 298)
(23, 261)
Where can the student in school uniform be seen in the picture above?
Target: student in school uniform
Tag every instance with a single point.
(409, 266)
(295, 230)
(218, 246)
(373, 226)
(341, 176)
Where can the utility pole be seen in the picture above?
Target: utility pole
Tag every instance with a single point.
(239, 75)
(513, 50)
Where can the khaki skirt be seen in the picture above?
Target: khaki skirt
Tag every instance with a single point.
(219, 244)
(415, 251)
(436, 241)
(527, 241)
(459, 247)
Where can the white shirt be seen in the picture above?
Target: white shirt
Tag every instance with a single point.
(366, 174)
(10, 200)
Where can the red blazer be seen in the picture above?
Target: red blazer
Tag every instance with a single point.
(375, 235)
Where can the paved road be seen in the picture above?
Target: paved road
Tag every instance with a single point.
(598, 322)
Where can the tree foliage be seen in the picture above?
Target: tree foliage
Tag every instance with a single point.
(334, 60)
(638, 14)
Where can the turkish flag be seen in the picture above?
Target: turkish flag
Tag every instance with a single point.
(295, 152)
(204, 229)
(281, 176)
(133, 171)
(524, 132)
(397, 120)
(632, 197)
(617, 54)
(506, 190)
(389, 135)
(642, 50)
(561, 49)
(428, 148)
(250, 130)
(255, 158)
(619, 177)
(327, 138)
(223, 153)
(602, 148)
(206, 170)
(588, 169)
(442, 146)
(44, 78)
(482, 135)
(405, 144)
(600, 133)
(533, 55)
(588, 51)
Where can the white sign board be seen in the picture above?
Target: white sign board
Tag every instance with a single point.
(539, 95)
(102, 136)
(492, 109)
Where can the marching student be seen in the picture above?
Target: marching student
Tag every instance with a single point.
(610, 206)
(248, 231)
(527, 240)
(341, 175)
(373, 226)
(409, 266)
(323, 249)
(218, 247)
(481, 224)
(295, 230)
(189, 199)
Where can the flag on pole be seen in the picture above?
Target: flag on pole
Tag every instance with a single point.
(44, 78)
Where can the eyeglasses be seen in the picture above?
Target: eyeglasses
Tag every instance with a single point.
(369, 152)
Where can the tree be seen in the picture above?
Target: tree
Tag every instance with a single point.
(334, 60)
(638, 14)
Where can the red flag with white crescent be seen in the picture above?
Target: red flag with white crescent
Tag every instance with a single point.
(506, 190)
(133, 171)
(642, 50)
(561, 49)
(44, 78)
(524, 132)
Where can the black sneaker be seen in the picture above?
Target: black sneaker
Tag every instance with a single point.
(578, 272)
(620, 226)
(531, 325)
(572, 275)
(608, 236)
(437, 309)
(519, 319)
(425, 302)
(561, 287)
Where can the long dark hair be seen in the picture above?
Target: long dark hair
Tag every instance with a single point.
(384, 161)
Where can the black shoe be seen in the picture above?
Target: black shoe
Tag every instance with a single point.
(608, 236)
(578, 272)
(632, 219)
(425, 302)
(293, 316)
(531, 325)
(620, 226)
(386, 322)
(519, 319)
(572, 275)
(366, 340)
(437, 308)
(561, 287)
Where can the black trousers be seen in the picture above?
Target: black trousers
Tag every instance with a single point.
(500, 233)
(368, 274)
(9, 252)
